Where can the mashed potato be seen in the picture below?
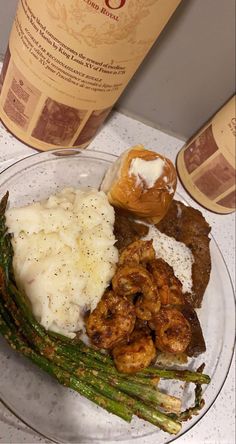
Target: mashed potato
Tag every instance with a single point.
(64, 255)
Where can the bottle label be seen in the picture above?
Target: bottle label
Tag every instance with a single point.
(70, 61)
(207, 164)
(200, 150)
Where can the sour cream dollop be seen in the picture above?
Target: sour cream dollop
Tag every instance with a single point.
(175, 253)
(148, 171)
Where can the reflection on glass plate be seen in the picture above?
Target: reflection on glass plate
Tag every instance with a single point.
(57, 412)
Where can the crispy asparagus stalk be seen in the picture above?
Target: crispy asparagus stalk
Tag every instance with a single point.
(90, 381)
(182, 375)
(64, 377)
(198, 403)
(147, 394)
(6, 249)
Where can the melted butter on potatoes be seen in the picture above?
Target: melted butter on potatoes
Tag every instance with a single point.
(64, 255)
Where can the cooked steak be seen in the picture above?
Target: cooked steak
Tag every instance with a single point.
(126, 230)
(188, 225)
(197, 343)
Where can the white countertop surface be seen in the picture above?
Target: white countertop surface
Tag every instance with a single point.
(119, 133)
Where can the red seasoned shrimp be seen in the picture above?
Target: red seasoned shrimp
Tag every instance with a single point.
(169, 286)
(129, 280)
(147, 307)
(172, 330)
(111, 321)
(136, 354)
(138, 252)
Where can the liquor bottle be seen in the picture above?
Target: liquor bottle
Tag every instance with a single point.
(206, 165)
(68, 62)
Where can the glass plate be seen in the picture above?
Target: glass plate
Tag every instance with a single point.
(57, 412)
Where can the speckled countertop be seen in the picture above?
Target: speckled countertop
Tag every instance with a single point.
(120, 132)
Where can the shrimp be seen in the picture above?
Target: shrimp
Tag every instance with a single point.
(111, 321)
(136, 354)
(138, 252)
(147, 308)
(172, 330)
(129, 280)
(169, 286)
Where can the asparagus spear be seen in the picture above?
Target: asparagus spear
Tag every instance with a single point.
(6, 249)
(149, 395)
(182, 375)
(198, 403)
(63, 377)
(77, 344)
(140, 409)
(191, 411)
